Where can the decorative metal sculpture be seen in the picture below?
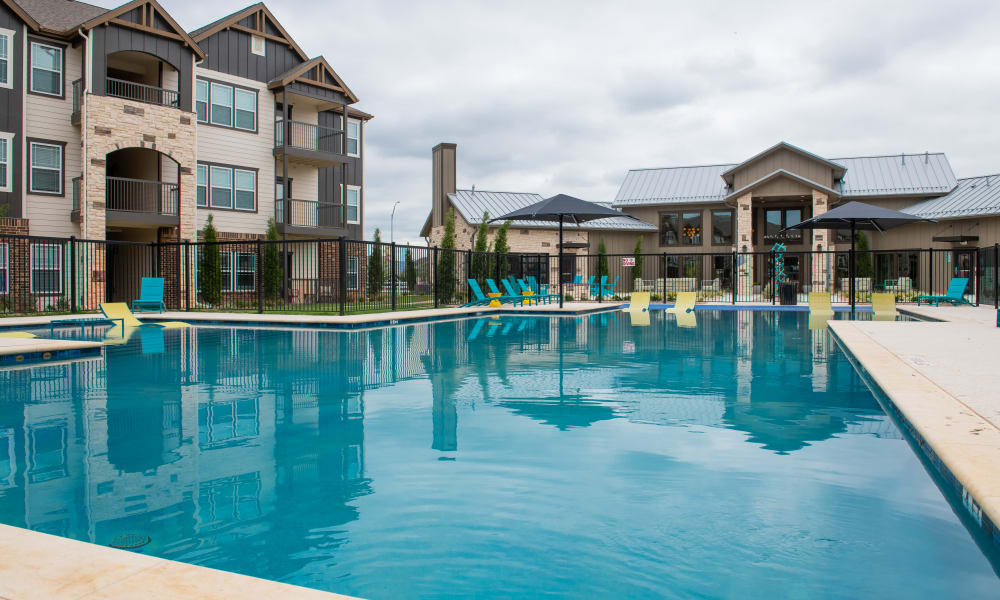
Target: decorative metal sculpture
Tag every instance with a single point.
(779, 263)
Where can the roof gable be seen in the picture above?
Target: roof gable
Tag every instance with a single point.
(782, 174)
(838, 169)
(146, 16)
(316, 72)
(256, 20)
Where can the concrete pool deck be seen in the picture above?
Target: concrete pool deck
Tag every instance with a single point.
(942, 378)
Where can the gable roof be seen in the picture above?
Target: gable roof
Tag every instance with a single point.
(263, 18)
(781, 174)
(154, 9)
(326, 77)
(927, 174)
(471, 206)
(54, 16)
(973, 197)
(838, 170)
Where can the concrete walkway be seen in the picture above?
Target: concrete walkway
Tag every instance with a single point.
(943, 378)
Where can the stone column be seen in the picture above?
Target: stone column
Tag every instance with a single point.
(823, 265)
(744, 239)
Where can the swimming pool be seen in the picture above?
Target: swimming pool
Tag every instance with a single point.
(736, 456)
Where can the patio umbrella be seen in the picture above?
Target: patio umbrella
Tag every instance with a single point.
(562, 209)
(858, 215)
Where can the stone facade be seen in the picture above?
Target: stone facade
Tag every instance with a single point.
(822, 270)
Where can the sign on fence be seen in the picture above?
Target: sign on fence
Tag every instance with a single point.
(628, 261)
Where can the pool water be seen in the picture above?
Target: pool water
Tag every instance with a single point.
(735, 456)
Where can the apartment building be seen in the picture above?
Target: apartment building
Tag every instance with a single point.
(120, 125)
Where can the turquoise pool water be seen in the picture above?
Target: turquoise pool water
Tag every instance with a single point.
(738, 456)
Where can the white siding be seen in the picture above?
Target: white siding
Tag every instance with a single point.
(48, 118)
(244, 149)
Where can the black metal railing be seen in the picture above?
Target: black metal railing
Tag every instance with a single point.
(77, 192)
(310, 213)
(307, 136)
(141, 92)
(77, 101)
(142, 196)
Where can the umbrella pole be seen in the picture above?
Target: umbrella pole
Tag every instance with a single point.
(851, 266)
(559, 268)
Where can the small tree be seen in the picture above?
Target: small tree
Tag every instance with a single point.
(481, 258)
(273, 271)
(446, 263)
(501, 248)
(409, 271)
(637, 254)
(602, 260)
(376, 273)
(210, 269)
(863, 260)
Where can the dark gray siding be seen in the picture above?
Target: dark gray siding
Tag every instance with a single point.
(318, 92)
(330, 178)
(113, 38)
(229, 52)
(11, 101)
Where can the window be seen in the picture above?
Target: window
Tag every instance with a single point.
(670, 233)
(46, 269)
(776, 219)
(47, 457)
(201, 100)
(246, 110)
(222, 187)
(353, 137)
(46, 168)
(352, 272)
(258, 45)
(245, 269)
(4, 269)
(202, 185)
(246, 190)
(221, 422)
(353, 204)
(46, 69)
(226, 266)
(6, 148)
(6, 45)
(691, 228)
(722, 227)
(222, 105)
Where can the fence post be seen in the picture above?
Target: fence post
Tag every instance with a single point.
(434, 271)
(260, 281)
(72, 274)
(392, 272)
(930, 270)
(342, 284)
(663, 277)
(187, 275)
(975, 275)
(736, 276)
(996, 276)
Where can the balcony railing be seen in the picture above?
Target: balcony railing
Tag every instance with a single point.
(141, 92)
(142, 196)
(77, 101)
(309, 213)
(306, 136)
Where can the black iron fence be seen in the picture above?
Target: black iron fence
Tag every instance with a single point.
(340, 276)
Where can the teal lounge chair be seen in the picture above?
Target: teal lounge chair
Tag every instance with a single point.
(540, 289)
(578, 280)
(513, 294)
(481, 298)
(539, 297)
(493, 287)
(150, 295)
(955, 295)
(594, 289)
(608, 291)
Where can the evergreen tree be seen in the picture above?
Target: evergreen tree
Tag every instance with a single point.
(602, 260)
(863, 258)
(210, 269)
(273, 272)
(446, 262)
(481, 258)
(501, 248)
(637, 254)
(376, 272)
(410, 271)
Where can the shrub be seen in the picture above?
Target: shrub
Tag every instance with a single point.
(481, 257)
(655, 297)
(637, 255)
(210, 269)
(446, 263)
(410, 271)
(501, 247)
(273, 271)
(602, 259)
(375, 268)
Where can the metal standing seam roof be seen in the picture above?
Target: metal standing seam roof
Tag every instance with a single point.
(471, 206)
(898, 175)
(974, 197)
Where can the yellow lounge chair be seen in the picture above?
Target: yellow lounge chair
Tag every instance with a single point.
(118, 335)
(884, 307)
(120, 310)
(685, 303)
(638, 303)
(17, 334)
(819, 320)
(687, 319)
(819, 303)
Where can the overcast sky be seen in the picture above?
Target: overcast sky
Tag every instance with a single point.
(565, 97)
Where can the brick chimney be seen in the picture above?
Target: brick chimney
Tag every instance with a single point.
(443, 164)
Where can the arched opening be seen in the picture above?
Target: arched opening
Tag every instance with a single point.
(142, 77)
(142, 182)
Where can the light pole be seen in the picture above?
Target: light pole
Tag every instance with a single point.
(392, 228)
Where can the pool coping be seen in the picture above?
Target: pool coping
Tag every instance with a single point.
(21, 351)
(934, 419)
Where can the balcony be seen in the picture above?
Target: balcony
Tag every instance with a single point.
(74, 214)
(140, 92)
(308, 217)
(74, 117)
(309, 144)
(141, 202)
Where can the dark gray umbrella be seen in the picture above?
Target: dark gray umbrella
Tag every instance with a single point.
(562, 208)
(858, 215)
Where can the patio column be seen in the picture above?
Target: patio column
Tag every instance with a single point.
(744, 237)
(822, 264)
